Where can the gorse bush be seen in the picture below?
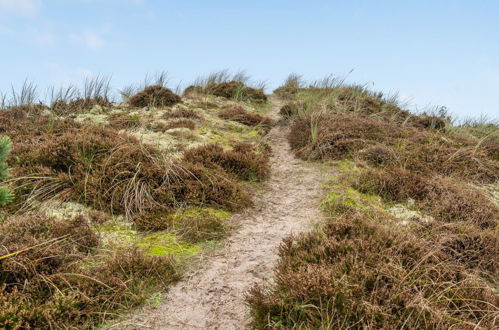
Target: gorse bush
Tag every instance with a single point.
(5, 146)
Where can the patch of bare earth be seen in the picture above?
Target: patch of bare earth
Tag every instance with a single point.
(212, 296)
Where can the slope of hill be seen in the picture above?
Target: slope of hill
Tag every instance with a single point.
(326, 206)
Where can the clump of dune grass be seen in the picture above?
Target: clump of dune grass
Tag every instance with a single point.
(96, 91)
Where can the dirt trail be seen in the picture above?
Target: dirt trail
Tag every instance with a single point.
(212, 297)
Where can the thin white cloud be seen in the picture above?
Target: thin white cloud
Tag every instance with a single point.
(20, 7)
(89, 39)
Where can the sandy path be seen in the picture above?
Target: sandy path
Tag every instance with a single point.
(212, 297)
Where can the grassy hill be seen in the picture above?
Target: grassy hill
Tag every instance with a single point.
(109, 203)
(410, 238)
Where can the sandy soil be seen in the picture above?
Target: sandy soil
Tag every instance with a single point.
(212, 296)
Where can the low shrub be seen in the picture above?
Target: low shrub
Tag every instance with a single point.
(242, 116)
(292, 109)
(336, 136)
(378, 155)
(428, 122)
(243, 160)
(181, 113)
(109, 171)
(359, 272)
(236, 90)
(154, 96)
(179, 123)
(442, 198)
(5, 146)
(124, 121)
(51, 276)
(78, 105)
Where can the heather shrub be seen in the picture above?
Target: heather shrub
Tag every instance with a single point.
(154, 96)
(179, 123)
(444, 199)
(236, 90)
(360, 272)
(245, 117)
(51, 275)
(181, 113)
(124, 121)
(244, 161)
(79, 104)
(109, 171)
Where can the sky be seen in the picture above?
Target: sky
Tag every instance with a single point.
(433, 53)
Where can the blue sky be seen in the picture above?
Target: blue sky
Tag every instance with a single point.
(431, 52)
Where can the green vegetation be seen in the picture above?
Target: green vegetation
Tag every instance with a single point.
(408, 241)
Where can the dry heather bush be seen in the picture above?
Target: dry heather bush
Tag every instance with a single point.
(79, 104)
(244, 161)
(193, 90)
(154, 96)
(428, 122)
(360, 272)
(378, 155)
(440, 197)
(179, 123)
(181, 113)
(245, 117)
(292, 85)
(335, 136)
(107, 170)
(124, 121)
(50, 281)
(236, 90)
